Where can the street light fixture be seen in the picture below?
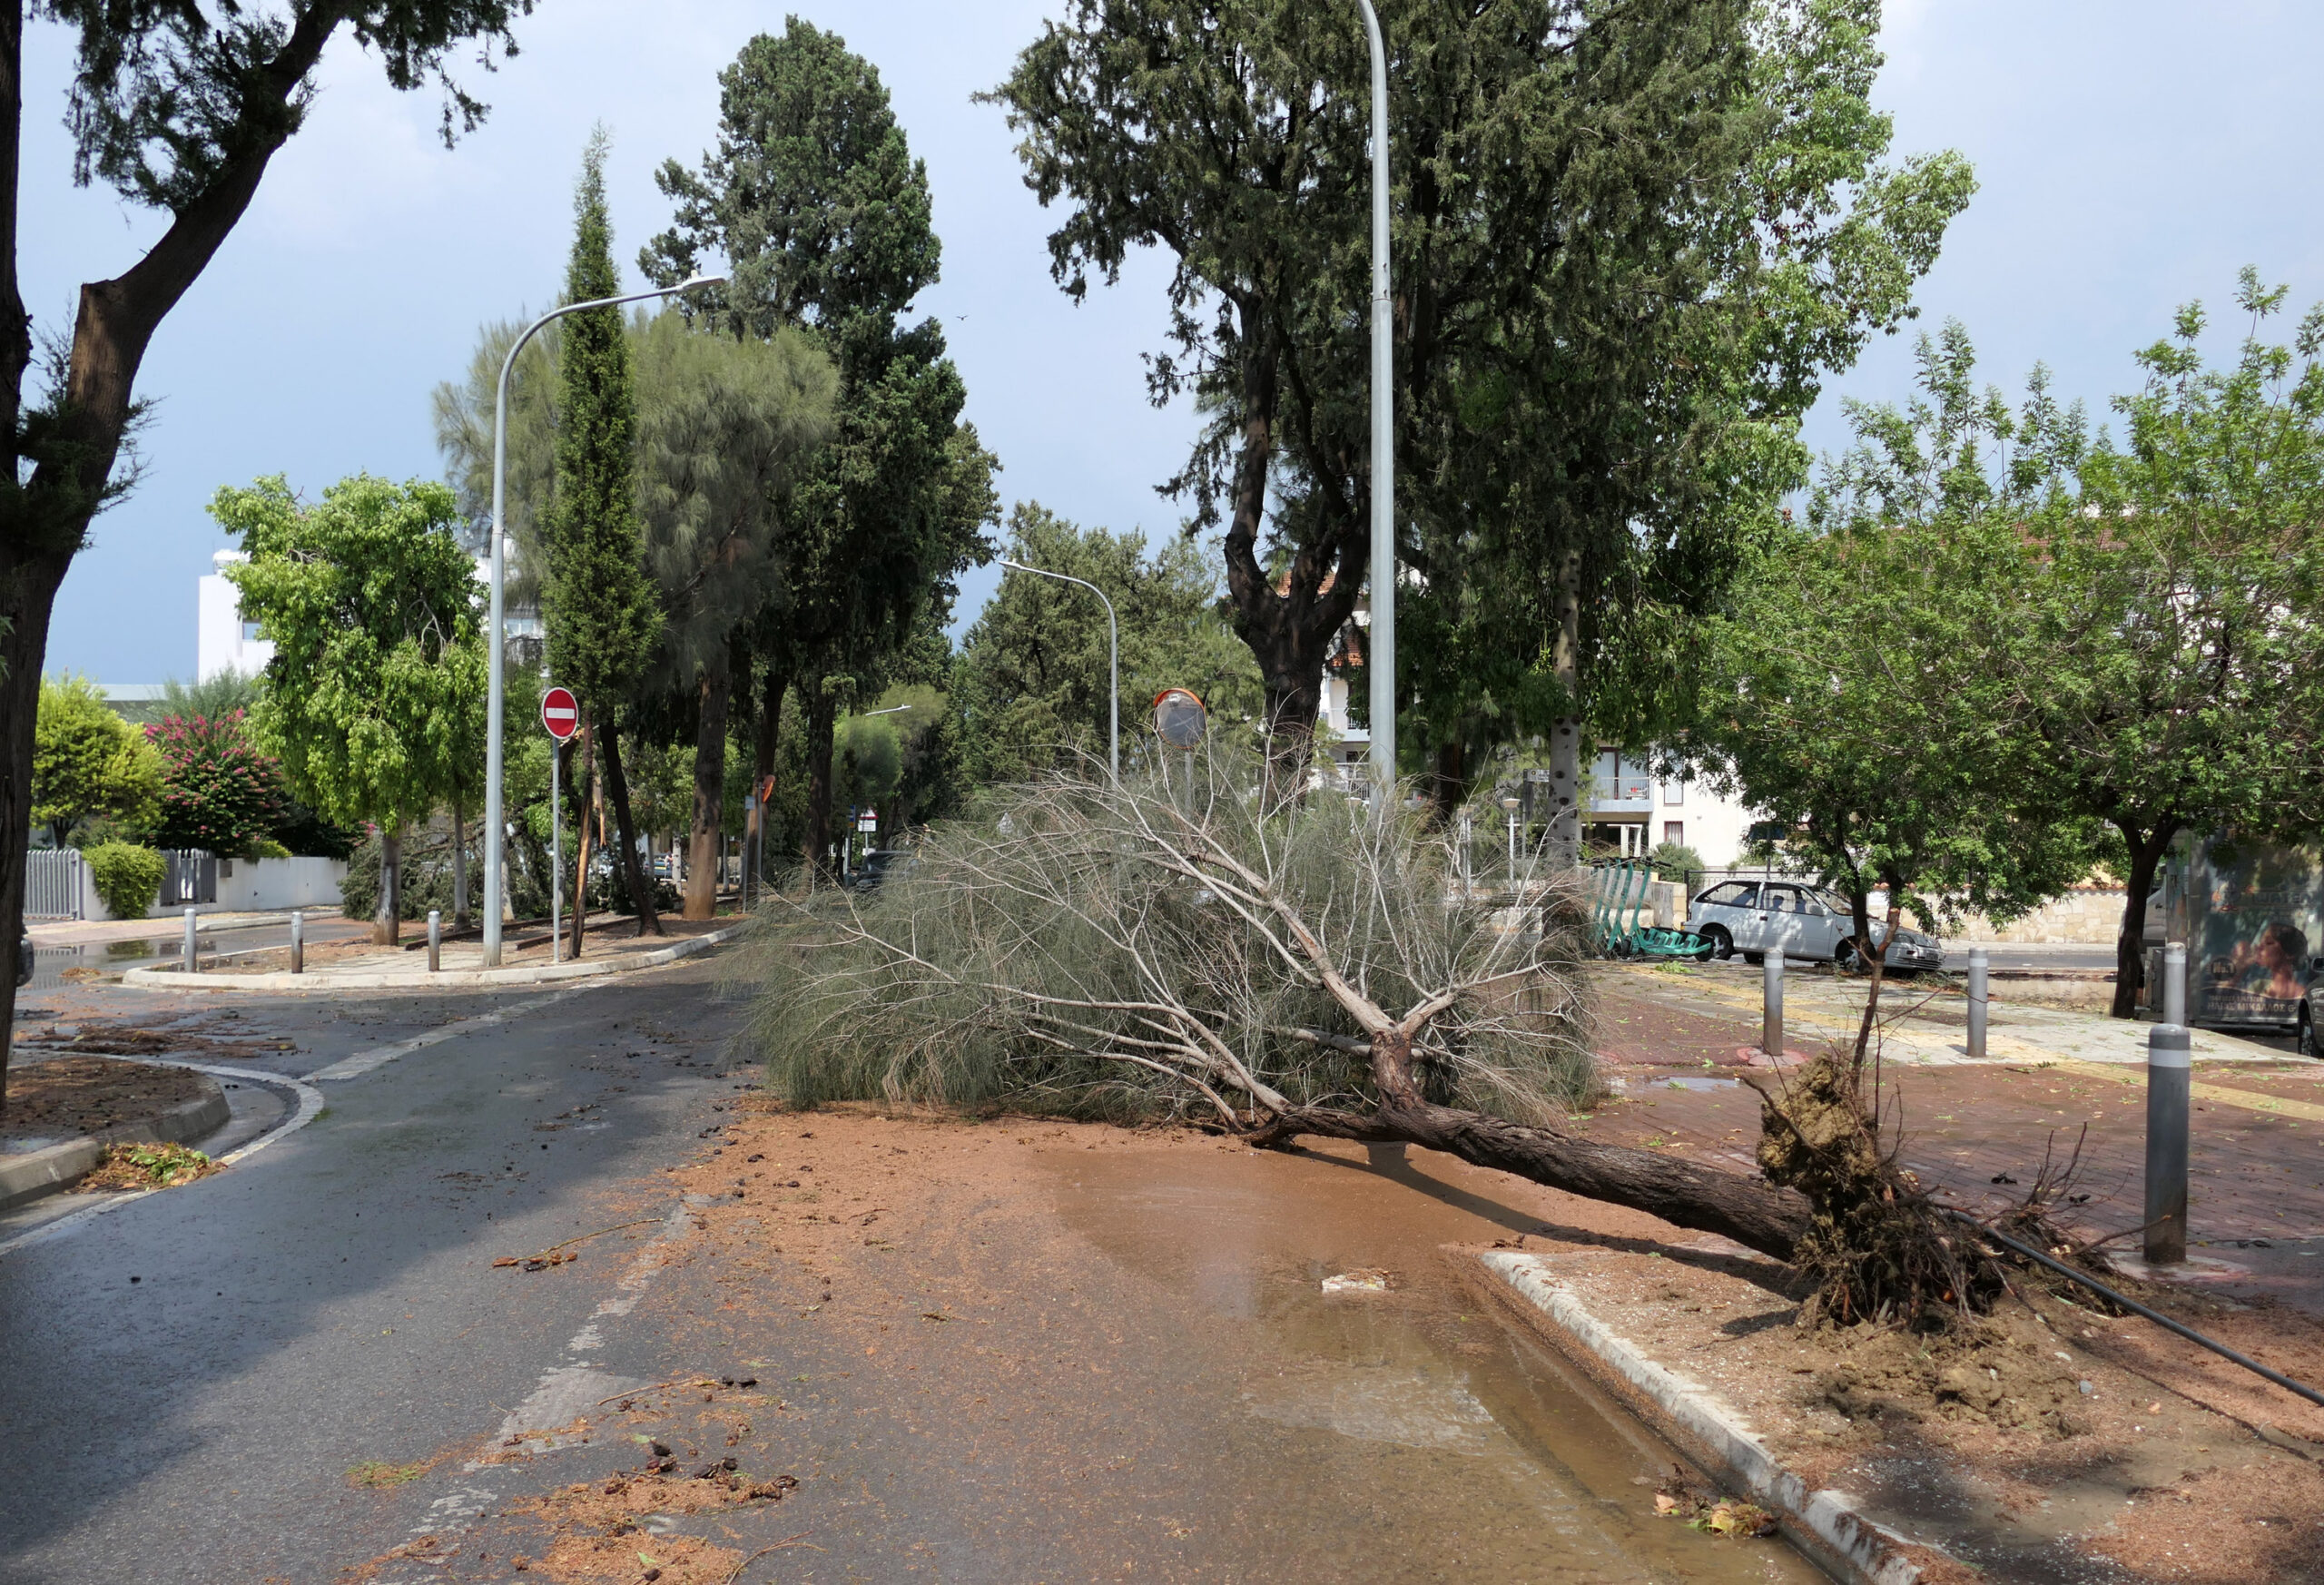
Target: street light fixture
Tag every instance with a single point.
(1114, 639)
(1382, 641)
(495, 831)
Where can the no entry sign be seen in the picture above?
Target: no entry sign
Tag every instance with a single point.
(560, 713)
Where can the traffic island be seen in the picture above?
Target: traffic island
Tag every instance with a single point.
(63, 1112)
(610, 949)
(2043, 1441)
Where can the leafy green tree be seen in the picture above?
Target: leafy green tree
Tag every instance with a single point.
(1627, 239)
(89, 765)
(724, 424)
(603, 618)
(219, 791)
(177, 108)
(813, 199)
(376, 696)
(727, 423)
(1854, 699)
(1031, 678)
(2163, 643)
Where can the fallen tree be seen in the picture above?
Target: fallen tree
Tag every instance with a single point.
(1160, 949)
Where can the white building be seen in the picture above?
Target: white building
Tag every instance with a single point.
(223, 640)
(1634, 811)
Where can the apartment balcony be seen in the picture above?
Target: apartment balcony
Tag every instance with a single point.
(1622, 795)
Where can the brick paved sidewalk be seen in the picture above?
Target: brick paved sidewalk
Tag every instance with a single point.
(2256, 1191)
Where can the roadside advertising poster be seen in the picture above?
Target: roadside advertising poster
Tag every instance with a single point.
(2256, 915)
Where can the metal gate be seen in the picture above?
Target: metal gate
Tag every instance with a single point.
(53, 883)
(191, 877)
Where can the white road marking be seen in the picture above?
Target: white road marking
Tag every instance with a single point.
(362, 1062)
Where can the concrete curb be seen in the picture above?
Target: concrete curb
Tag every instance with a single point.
(465, 978)
(1825, 1524)
(41, 1173)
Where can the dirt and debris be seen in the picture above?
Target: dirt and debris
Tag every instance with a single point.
(65, 1096)
(618, 1528)
(145, 1167)
(181, 1038)
(2045, 1430)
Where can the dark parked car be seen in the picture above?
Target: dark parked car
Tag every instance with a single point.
(877, 866)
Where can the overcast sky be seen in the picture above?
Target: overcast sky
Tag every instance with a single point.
(2132, 155)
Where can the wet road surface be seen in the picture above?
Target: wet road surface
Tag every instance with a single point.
(188, 1380)
(1009, 1352)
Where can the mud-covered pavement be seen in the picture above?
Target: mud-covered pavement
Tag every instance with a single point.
(1021, 1351)
(1004, 1352)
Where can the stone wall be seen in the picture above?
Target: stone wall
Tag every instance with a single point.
(2088, 915)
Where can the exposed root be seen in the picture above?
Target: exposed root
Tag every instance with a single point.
(1878, 1247)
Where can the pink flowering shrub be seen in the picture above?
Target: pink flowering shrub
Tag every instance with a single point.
(219, 791)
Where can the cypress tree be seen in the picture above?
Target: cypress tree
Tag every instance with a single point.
(602, 616)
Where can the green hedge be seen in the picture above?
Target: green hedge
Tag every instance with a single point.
(128, 876)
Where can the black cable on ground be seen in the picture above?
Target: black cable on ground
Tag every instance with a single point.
(2189, 1333)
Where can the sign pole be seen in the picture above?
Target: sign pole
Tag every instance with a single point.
(556, 860)
(561, 715)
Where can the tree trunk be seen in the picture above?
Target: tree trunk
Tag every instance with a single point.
(459, 868)
(43, 519)
(823, 714)
(1289, 619)
(27, 594)
(709, 791)
(1683, 1193)
(1877, 959)
(1448, 782)
(2147, 849)
(386, 914)
(1709, 1199)
(635, 873)
(1561, 833)
(769, 736)
(584, 786)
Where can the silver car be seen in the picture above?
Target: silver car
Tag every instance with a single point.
(1759, 917)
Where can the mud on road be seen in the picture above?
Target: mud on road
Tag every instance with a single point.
(1024, 1351)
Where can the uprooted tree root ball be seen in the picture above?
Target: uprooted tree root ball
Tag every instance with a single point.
(1877, 1246)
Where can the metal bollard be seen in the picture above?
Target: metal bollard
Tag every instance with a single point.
(2174, 983)
(1771, 1016)
(435, 940)
(298, 940)
(2170, 1061)
(190, 961)
(1980, 1000)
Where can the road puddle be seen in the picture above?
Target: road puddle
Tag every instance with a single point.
(1441, 1440)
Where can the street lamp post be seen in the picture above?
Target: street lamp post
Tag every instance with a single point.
(1382, 658)
(495, 831)
(1114, 640)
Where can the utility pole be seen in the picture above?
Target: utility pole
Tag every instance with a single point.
(1381, 654)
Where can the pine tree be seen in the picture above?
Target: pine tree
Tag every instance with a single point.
(602, 616)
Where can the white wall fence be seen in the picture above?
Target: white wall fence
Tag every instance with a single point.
(55, 879)
(58, 886)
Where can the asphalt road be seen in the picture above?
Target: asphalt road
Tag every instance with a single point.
(188, 1380)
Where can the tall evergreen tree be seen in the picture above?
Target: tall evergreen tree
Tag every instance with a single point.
(1624, 230)
(813, 199)
(603, 618)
